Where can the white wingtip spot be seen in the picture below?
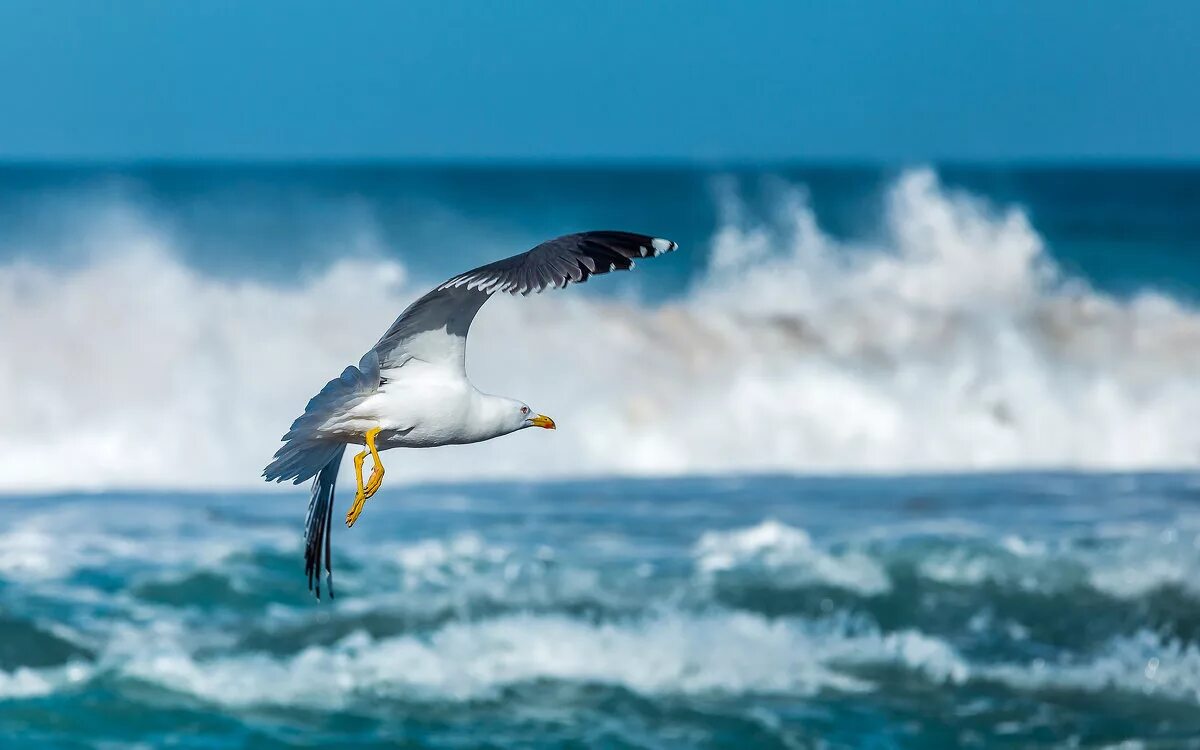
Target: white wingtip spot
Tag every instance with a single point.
(663, 246)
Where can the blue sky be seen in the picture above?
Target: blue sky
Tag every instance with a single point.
(624, 79)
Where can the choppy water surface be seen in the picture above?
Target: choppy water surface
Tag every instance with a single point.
(1055, 610)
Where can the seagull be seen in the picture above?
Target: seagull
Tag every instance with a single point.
(411, 389)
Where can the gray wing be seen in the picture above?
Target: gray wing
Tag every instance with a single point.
(434, 328)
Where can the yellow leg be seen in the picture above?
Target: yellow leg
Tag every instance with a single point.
(358, 462)
(360, 492)
(376, 480)
(365, 491)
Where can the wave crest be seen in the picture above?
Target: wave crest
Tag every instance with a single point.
(951, 341)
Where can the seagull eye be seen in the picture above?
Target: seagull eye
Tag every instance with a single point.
(524, 409)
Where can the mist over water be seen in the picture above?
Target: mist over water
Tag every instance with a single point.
(943, 334)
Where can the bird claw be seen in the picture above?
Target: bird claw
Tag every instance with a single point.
(373, 483)
(356, 509)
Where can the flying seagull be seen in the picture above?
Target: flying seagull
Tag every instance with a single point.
(411, 390)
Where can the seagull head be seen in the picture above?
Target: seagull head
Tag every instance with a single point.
(529, 418)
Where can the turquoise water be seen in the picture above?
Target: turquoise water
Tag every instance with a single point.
(880, 458)
(1054, 610)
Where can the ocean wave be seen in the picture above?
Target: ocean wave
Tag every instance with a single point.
(1126, 564)
(667, 653)
(952, 341)
(121, 535)
(1143, 662)
(1126, 567)
(780, 555)
(769, 567)
(464, 617)
(468, 573)
(24, 682)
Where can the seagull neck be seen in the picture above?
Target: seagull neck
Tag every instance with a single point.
(493, 416)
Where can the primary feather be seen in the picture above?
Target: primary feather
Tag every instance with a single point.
(434, 328)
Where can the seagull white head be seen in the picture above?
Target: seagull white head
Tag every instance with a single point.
(499, 415)
(529, 418)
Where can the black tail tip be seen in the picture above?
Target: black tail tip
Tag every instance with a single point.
(315, 587)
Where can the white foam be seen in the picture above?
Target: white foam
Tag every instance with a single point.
(788, 555)
(1125, 565)
(664, 653)
(669, 653)
(1143, 662)
(952, 342)
(25, 682)
(435, 553)
(49, 544)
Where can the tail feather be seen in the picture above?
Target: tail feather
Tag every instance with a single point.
(307, 453)
(318, 525)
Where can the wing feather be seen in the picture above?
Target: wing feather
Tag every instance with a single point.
(434, 328)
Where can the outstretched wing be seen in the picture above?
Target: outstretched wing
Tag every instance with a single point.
(434, 328)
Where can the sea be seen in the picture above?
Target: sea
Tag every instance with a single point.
(882, 457)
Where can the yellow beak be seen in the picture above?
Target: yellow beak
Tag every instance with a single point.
(542, 420)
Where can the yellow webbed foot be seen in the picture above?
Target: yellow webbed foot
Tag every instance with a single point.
(365, 491)
(356, 509)
(375, 482)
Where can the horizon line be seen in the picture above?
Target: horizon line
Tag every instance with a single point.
(597, 163)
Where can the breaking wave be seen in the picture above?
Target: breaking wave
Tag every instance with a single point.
(951, 341)
(667, 654)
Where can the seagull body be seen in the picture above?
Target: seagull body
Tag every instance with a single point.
(411, 389)
(424, 407)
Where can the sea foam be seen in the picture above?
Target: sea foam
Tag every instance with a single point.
(784, 555)
(951, 341)
(670, 653)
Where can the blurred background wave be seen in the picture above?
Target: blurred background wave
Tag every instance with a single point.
(163, 325)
